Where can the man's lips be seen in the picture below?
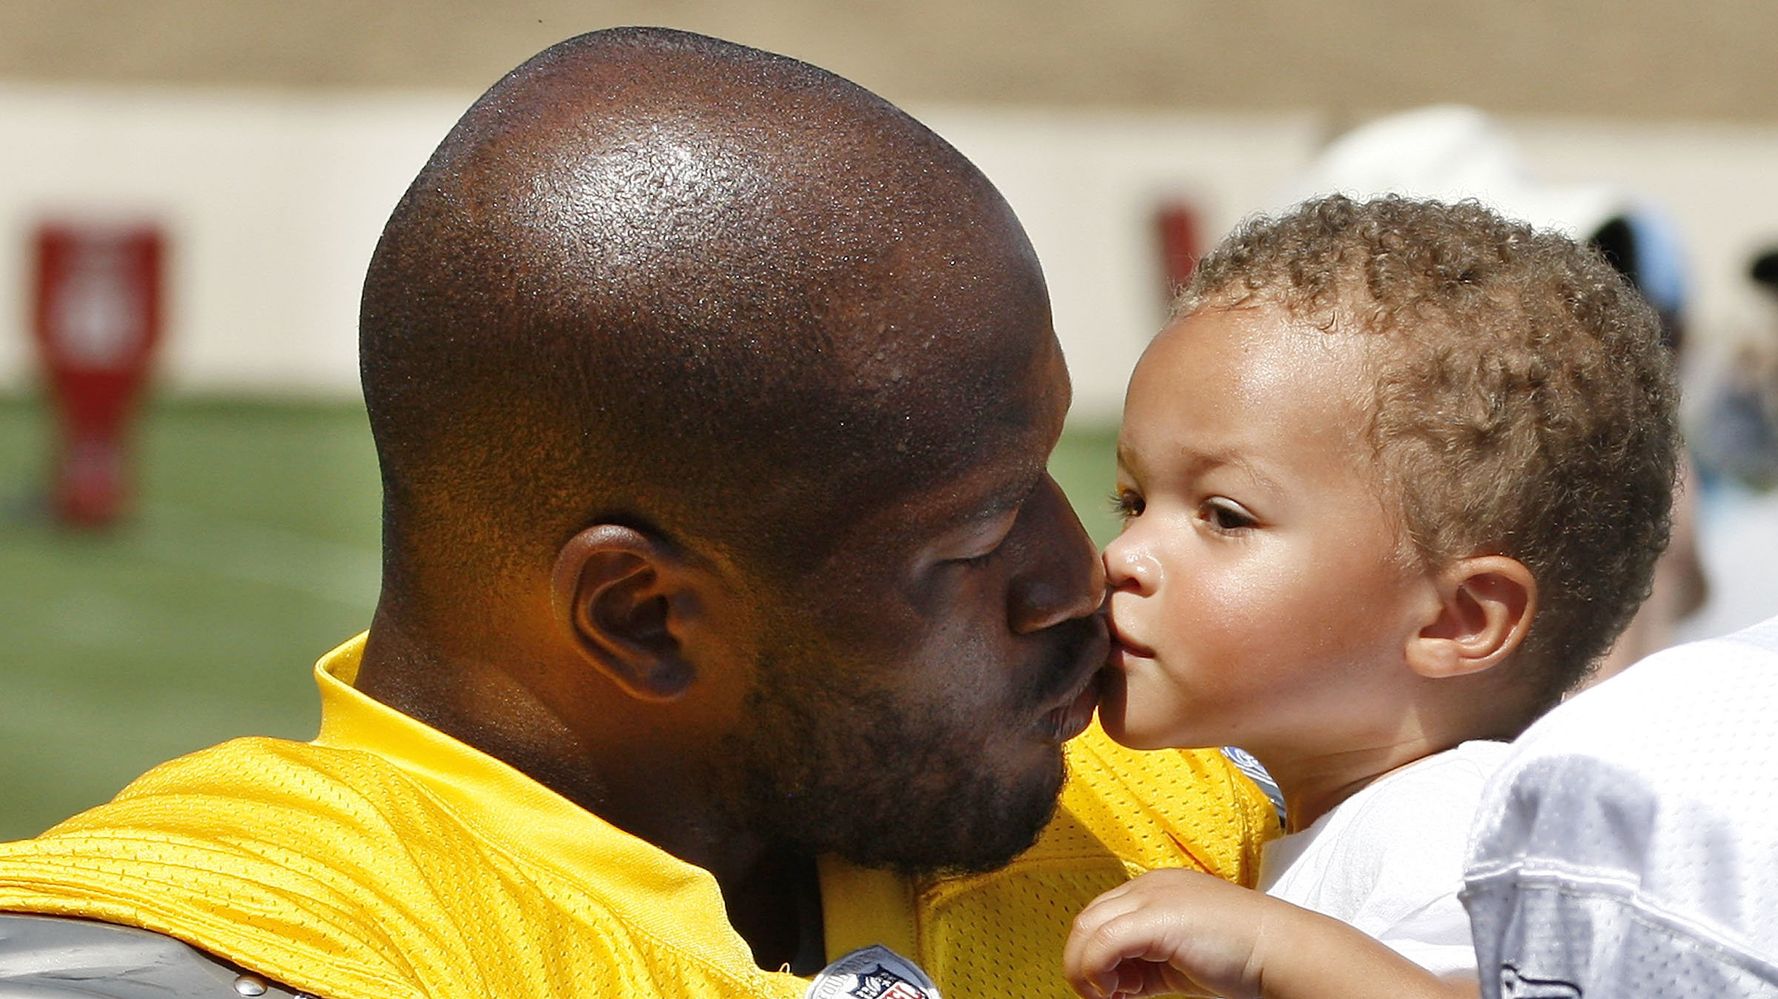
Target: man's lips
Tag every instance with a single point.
(1071, 719)
(1074, 712)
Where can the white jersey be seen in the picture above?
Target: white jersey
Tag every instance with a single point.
(1629, 846)
(1389, 859)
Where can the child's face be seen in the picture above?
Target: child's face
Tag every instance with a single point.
(1258, 595)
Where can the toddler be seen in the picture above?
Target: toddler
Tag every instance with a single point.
(1392, 480)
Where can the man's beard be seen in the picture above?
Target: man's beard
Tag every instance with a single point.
(881, 781)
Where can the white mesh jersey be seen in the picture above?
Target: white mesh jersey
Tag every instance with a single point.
(1629, 846)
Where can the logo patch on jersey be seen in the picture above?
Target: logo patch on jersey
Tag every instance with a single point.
(872, 973)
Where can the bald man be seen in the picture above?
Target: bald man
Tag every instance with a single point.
(730, 621)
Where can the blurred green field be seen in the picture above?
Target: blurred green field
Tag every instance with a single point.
(253, 551)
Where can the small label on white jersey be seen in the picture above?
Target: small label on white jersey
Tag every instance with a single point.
(1515, 985)
(873, 972)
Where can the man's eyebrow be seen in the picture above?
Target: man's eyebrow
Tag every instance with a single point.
(1006, 499)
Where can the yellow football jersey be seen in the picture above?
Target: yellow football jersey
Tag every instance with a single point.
(1123, 812)
(385, 859)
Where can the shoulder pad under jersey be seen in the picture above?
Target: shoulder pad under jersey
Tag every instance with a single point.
(50, 957)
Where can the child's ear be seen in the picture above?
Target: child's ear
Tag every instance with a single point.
(623, 595)
(1484, 610)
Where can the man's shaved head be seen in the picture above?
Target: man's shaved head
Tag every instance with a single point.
(713, 396)
(661, 279)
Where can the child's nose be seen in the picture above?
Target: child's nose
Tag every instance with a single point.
(1129, 565)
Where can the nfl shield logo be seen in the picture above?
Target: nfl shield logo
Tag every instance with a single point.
(872, 973)
(881, 983)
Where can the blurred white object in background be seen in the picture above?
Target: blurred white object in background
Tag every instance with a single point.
(1448, 153)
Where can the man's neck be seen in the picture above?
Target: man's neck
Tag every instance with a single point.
(772, 893)
(775, 905)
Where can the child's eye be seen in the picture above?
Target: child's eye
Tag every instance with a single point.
(1225, 515)
(1126, 504)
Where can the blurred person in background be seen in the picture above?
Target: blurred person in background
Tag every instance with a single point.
(1740, 436)
(1735, 413)
(1644, 245)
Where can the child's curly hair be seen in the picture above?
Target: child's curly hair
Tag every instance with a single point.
(1523, 406)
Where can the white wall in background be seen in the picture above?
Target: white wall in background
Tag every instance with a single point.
(1716, 182)
(272, 205)
(1086, 186)
(274, 201)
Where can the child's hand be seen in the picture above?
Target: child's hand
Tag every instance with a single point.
(1173, 931)
(1168, 932)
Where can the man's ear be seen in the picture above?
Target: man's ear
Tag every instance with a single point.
(1484, 610)
(622, 595)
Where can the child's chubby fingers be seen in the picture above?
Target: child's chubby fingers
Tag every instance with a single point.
(1153, 936)
(1125, 955)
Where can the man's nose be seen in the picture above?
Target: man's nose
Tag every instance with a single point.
(1062, 578)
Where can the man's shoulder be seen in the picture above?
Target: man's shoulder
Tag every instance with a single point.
(42, 957)
(340, 873)
(1615, 801)
(1684, 692)
(231, 848)
(1688, 727)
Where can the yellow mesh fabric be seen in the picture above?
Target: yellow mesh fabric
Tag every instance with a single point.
(424, 869)
(1123, 812)
(387, 860)
(332, 873)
